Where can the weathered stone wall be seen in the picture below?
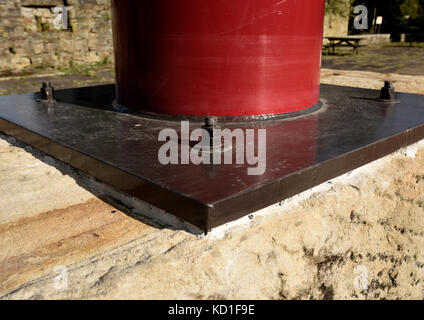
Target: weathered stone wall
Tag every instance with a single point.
(373, 39)
(335, 26)
(28, 39)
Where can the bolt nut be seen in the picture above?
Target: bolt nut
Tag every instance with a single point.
(211, 122)
(387, 92)
(47, 92)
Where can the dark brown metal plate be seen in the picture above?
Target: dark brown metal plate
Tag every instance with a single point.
(122, 149)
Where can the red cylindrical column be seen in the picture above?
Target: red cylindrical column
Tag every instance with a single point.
(218, 57)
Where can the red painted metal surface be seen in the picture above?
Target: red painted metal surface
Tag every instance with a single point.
(218, 57)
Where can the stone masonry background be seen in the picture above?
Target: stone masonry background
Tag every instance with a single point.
(29, 41)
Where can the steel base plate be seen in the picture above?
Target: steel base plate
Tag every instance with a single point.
(120, 149)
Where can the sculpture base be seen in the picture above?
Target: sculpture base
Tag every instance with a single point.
(122, 149)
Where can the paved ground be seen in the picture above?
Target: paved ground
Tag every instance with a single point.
(390, 58)
(373, 80)
(83, 77)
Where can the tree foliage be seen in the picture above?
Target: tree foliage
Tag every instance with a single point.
(399, 15)
(412, 9)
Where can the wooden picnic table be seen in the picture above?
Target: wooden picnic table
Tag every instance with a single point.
(344, 42)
